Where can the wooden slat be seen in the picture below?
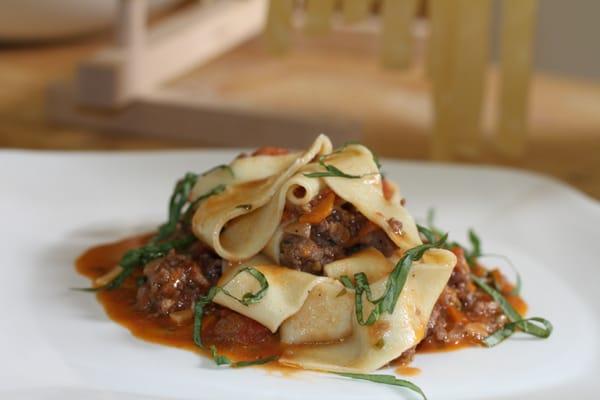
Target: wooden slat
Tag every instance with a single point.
(471, 62)
(278, 26)
(318, 16)
(444, 16)
(356, 10)
(396, 37)
(516, 58)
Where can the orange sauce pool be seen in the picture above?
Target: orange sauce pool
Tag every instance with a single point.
(120, 305)
(405, 370)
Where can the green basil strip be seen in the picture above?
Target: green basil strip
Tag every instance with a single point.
(427, 233)
(331, 171)
(201, 303)
(251, 298)
(139, 257)
(475, 252)
(516, 320)
(362, 286)
(189, 213)
(179, 198)
(393, 288)
(386, 380)
(397, 278)
(526, 325)
(219, 359)
(345, 280)
(507, 309)
(259, 361)
(518, 281)
(247, 299)
(222, 166)
(223, 360)
(431, 218)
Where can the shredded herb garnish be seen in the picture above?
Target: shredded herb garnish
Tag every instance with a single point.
(525, 325)
(518, 280)
(139, 257)
(386, 380)
(189, 213)
(247, 299)
(331, 170)
(222, 166)
(517, 321)
(179, 198)
(346, 282)
(159, 246)
(223, 360)
(393, 288)
(351, 142)
(536, 326)
(475, 252)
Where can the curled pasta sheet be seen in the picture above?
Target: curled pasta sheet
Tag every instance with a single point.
(316, 314)
(242, 170)
(250, 211)
(288, 290)
(371, 347)
(366, 194)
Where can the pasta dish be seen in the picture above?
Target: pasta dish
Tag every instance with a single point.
(305, 259)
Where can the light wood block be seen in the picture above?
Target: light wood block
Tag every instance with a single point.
(172, 48)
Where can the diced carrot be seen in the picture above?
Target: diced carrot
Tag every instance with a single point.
(319, 211)
(518, 304)
(501, 283)
(479, 271)
(456, 315)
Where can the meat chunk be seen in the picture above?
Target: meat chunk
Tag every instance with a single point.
(463, 312)
(224, 326)
(172, 284)
(338, 235)
(210, 263)
(379, 240)
(304, 254)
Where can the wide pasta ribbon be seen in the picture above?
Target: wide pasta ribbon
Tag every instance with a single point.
(371, 347)
(239, 222)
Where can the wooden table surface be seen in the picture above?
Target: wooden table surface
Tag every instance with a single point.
(571, 155)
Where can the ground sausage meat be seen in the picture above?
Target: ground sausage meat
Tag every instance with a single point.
(172, 283)
(463, 312)
(210, 263)
(343, 232)
(224, 326)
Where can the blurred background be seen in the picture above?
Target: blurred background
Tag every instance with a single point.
(486, 82)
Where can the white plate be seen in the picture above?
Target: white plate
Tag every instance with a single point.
(59, 344)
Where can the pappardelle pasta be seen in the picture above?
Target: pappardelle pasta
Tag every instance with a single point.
(306, 259)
